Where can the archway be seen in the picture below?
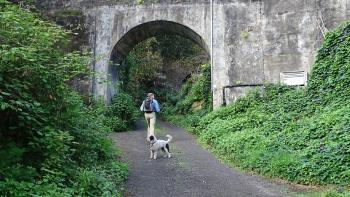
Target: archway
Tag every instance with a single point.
(139, 34)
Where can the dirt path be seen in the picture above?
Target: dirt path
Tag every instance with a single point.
(192, 171)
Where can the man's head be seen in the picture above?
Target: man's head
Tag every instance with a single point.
(150, 96)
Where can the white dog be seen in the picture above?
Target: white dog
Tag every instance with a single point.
(156, 145)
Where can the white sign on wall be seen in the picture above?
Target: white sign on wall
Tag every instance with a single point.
(293, 78)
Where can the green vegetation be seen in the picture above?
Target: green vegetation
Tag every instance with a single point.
(174, 69)
(139, 74)
(122, 113)
(280, 133)
(244, 35)
(159, 65)
(300, 135)
(139, 2)
(297, 134)
(331, 193)
(51, 143)
(192, 103)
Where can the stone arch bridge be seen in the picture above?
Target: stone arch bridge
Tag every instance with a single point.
(251, 42)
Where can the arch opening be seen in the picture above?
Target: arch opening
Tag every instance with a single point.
(139, 34)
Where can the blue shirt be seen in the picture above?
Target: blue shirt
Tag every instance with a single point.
(154, 103)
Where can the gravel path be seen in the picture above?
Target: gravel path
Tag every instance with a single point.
(192, 171)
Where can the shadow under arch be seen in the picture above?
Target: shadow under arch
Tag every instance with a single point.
(139, 34)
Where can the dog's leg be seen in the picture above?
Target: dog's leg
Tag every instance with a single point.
(151, 157)
(163, 150)
(167, 150)
(155, 154)
(167, 147)
(165, 153)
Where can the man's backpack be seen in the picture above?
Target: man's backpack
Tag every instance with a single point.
(148, 105)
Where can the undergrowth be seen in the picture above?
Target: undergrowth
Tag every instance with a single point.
(193, 101)
(51, 143)
(300, 135)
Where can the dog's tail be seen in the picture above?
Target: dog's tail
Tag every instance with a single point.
(169, 138)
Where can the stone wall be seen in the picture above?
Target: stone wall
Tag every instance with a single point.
(267, 37)
(253, 40)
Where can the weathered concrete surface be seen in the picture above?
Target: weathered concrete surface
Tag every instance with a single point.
(253, 40)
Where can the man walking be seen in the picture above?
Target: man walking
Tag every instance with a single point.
(149, 107)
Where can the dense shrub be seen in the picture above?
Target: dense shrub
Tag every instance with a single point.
(140, 72)
(197, 89)
(122, 113)
(51, 143)
(193, 101)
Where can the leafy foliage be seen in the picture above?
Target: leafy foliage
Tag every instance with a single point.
(122, 113)
(300, 135)
(140, 72)
(51, 144)
(330, 76)
(158, 65)
(193, 102)
(197, 89)
(274, 138)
